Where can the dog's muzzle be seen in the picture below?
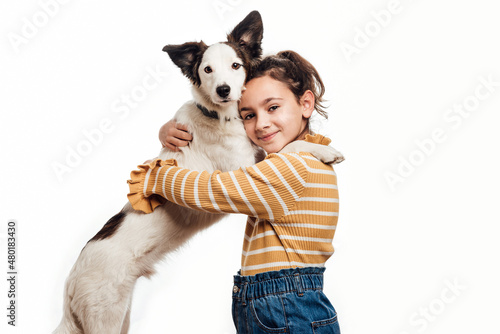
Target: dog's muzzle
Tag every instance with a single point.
(223, 91)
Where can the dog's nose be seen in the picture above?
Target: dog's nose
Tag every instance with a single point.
(223, 90)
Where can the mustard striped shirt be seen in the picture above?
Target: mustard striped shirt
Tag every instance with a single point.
(291, 201)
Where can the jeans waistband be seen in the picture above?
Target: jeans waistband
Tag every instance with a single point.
(275, 282)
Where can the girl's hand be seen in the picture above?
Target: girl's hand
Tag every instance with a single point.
(174, 135)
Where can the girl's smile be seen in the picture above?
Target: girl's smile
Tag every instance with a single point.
(268, 137)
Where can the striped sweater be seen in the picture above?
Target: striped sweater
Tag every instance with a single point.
(291, 201)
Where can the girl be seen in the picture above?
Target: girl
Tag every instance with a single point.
(291, 201)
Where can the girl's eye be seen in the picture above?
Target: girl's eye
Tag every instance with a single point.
(273, 108)
(248, 116)
(236, 66)
(208, 69)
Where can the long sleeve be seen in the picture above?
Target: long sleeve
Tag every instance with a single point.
(265, 190)
(291, 199)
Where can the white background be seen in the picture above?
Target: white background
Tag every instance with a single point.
(398, 249)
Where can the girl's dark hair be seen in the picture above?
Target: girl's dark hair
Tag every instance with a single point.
(297, 73)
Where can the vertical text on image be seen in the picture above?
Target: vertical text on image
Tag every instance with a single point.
(12, 272)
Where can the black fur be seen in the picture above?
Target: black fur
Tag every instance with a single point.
(110, 227)
(248, 63)
(246, 39)
(187, 57)
(248, 34)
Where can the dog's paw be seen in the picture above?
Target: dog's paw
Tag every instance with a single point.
(330, 157)
(324, 153)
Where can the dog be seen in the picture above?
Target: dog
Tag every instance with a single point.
(98, 291)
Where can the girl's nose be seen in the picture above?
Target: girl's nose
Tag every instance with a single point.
(263, 121)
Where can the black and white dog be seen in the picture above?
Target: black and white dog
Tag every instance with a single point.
(98, 291)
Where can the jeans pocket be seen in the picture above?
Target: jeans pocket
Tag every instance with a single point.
(268, 315)
(328, 326)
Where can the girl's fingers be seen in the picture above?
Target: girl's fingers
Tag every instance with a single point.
(178, 142)
(170, 147)
(182, 132)
(181, 126)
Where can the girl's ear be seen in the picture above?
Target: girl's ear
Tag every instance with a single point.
(307, 103)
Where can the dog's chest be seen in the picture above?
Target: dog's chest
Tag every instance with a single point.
(226, 146)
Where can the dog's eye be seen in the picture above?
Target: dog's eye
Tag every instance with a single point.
(236, 66)
(208, 69)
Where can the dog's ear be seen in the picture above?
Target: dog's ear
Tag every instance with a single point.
(248, 34)
(187, 57)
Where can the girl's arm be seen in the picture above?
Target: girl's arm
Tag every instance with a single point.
(265, 190)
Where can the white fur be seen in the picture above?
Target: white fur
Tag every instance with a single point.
(220, 57)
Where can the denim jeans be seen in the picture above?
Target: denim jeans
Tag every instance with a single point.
(285, 301)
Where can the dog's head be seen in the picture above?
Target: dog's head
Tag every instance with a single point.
(219, 71)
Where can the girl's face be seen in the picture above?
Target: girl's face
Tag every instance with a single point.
(271, 114)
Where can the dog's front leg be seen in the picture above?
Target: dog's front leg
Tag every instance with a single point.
(325, 153)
